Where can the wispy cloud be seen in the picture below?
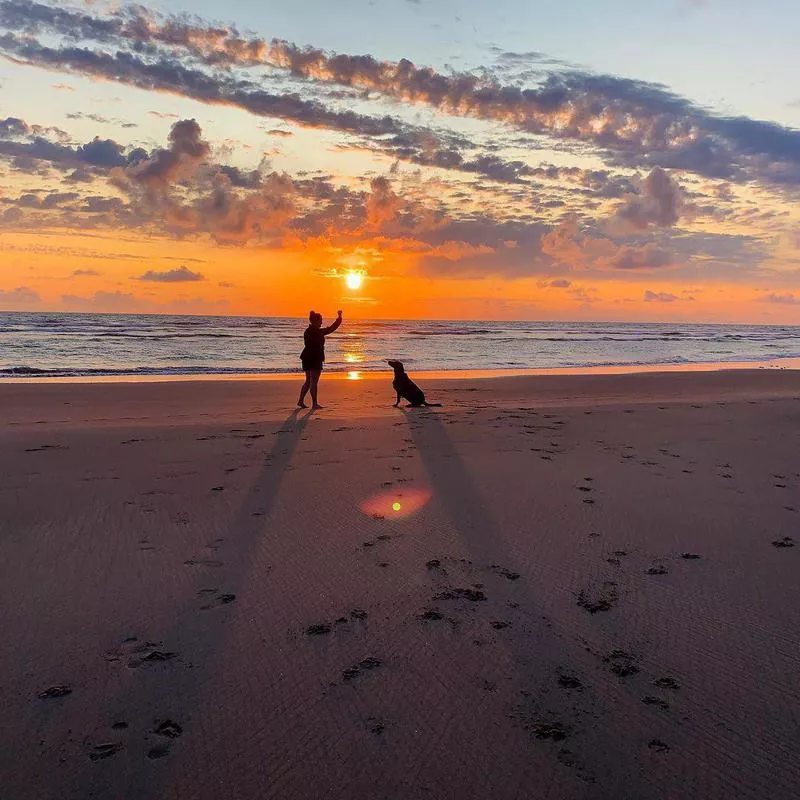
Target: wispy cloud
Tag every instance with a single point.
(659, 297)
(178, 275)
(21, 296)
(634, 122)
(784, 298)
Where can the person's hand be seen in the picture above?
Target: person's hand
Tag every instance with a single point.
(340, 314)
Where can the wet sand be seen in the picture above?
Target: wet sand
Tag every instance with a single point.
(552, 587)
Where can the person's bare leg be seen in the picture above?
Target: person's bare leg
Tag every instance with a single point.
(314, 384)
(304, 391)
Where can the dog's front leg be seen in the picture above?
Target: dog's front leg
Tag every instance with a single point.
(398, 401)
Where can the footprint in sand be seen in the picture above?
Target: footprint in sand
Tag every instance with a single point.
(508, 574)
(656, 569)
(218, 599)
(435, 565)
(649, 700)
(169, 729)
(202, 562)
(473, 595)
(151, 657)
(657, 746)
(55, 691)
(544, 727)
(569, 681)
(105, 750)
(621, 663)
(365, 665)
(319, 629)
(376, 725)
(324, 628)
(667, 682)
(138, 653)
(431, 615)
(594, 602)
(787, 541)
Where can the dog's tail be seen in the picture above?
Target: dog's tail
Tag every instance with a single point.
(433, 405)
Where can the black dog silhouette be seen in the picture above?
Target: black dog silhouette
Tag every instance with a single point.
(406, 388)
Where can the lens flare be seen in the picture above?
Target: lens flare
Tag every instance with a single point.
(396, 505)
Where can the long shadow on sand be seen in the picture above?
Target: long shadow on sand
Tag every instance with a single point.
(542, 645)
(201, 634)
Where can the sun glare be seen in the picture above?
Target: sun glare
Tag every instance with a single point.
(354, 280)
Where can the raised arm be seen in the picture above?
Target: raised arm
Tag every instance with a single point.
(331, 328)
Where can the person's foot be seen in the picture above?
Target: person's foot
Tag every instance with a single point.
(302, 405)
(316, 407)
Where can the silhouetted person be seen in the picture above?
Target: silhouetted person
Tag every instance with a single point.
(313, 355)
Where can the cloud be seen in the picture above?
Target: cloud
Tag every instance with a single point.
(80, 273)
(11, 127)
(178, 275)
(659, 297)
(168, 75)
(787, 298)
(103, 302)
(649, 256)
(556, 283)
(101, 120)
(21, 296)
(23, 141)
(382, 203)
(658, 202)
(633, 121)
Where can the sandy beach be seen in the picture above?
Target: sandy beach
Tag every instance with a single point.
(551, 587)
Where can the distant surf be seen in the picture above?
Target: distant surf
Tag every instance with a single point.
(48, 345)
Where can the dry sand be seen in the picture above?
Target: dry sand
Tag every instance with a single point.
(588, 590)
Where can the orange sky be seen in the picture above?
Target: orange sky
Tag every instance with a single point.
(119, 198)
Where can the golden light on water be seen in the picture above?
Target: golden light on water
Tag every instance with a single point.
(354, 280)
(396, 506)
(353, 358)
(354, 375)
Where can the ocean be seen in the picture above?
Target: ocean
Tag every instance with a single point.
(50, 345)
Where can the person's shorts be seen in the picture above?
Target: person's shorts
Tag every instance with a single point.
(311, 366)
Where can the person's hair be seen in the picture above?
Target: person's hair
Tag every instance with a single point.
(314, 316)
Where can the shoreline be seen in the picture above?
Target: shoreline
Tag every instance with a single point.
(777, 364)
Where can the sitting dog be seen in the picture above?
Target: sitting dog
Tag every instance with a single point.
(406, 388)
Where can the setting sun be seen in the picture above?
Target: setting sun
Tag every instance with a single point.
(354, 280)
